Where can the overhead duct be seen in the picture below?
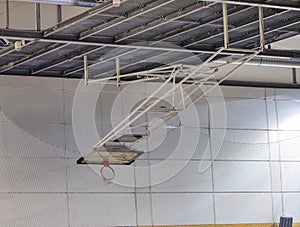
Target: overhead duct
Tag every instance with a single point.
(83, 3)
(268, 62)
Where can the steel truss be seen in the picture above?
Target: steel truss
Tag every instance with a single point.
(178, 75)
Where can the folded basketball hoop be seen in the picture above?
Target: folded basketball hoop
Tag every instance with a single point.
(114, 155)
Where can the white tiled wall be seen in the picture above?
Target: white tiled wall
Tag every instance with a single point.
(243, 171)
(243, 208)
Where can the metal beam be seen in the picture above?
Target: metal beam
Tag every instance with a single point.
(147, 8)
(276, 5)
(90, 13)
(249, 21)
(149, 56)
(235, 11)
(59, 61)
(285, 24)
(181, 31)
(173, 16)
(6, 14)
(59, 13)
(38, 16)
(7, 50)
(48, 32)
(81, 3)
(61, 26)
(163, 20)
(114, 22)
(36, 36)
(225, 25)
(36, 55)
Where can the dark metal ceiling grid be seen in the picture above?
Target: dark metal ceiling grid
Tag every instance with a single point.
(191, 24)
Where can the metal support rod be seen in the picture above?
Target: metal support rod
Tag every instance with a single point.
(182, 97)
(123, 124)
(261, 27)
(38, 16)
(6, 14)
(59, 14)
(294, 73)
(118, 71)
(173, 95)
(225, 25)
(147, 72)
(86, 72)
(245, 60)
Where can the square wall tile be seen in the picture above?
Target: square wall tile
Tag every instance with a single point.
(274, 145)
(86, 178)
(270, 93)
(182, 209)
(33, 175)
(287, 94)
(243, 208)
(291, 205)
(196, 115)
(289, 143)
(276, 176)
(130, 101)
(52, 134)
(290, 176)
(28, 105)
(243, 92)
(189, 179)
(173, 144)
(288, 115)
(239, 113)
(78, 84)
(31, 82)
(142, 175)
(272, 115)
(246, 113)
(144, 210)
(111, 108)
(102, 210)
(136, 88)
(33, 210)
(239, 144)
(82, 107)
(80, 139)
(277, 206)
(239, 176)
(34, 140)
(3, 152)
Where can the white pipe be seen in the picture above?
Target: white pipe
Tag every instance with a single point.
(261, 28)
(86, 72)
(225, 25)
(122, 124)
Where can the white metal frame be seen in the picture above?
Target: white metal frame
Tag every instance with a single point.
(169, 74)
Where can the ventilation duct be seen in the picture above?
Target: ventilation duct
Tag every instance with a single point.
(269, 62)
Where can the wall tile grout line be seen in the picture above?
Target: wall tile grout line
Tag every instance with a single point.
(280, 156)
(270, 164)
